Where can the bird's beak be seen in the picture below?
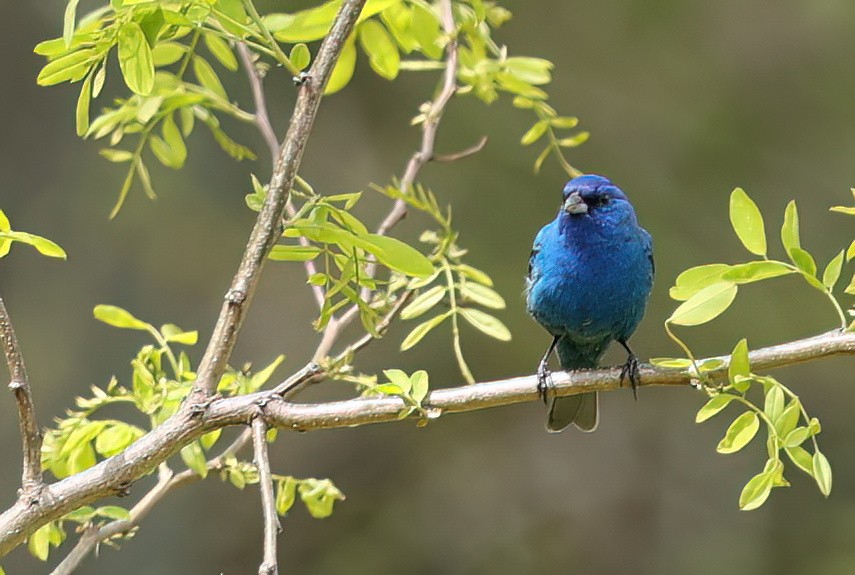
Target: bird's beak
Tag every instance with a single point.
(574, 204)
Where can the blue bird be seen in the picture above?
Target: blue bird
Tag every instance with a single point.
(589, 277)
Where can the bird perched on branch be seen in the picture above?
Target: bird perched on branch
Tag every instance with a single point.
(589, 276)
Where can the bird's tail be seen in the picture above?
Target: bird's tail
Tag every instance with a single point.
(581, 410)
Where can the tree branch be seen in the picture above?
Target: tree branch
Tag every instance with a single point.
(31, 435)
(268, 224)
(269, 566)
(116, 473)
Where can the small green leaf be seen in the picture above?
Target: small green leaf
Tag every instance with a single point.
(68, 22)
(82, 111)
(801, 458)
(208, 77)
(697, 278)
(482, 295)
(208, 440)
(286, 494)
(741, 431)
(803, 260)
(796, 437)
(671, 362)
(424, 302)
(774, 402)
(850, 252)
(283, 253)
(475, 274)
(344, 67)
(221, 51)
(822, 473)
(173, 333)
(194, 458)
(739, 364)
(117, 317)
(167, 53)
(399, 379)
(39, 542)
(705, 305)
(300, 56)
(419, 386)
(790, 229)
(382, 52)
(788, 418)
(756, 491)
(747, 222)
(421, 330)
(113, 512)
(713, 406)
(486, 323)
(401, 257)
(534, 133)
(756, 271)
(832, 271)
(116, 156)
(135, 59)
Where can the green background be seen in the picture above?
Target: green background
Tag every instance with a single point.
(684, 101)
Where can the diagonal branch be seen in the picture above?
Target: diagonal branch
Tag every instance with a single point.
(269, 566)
(115, 474)
(268, 224)
(31, 435)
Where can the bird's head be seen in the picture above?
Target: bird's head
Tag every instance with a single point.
(593, 195)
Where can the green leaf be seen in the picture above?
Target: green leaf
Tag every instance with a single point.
(756, 271)
(419, 386)
(482, 295)
(286, 494)
(671, 362)
(194, 458)
(756, 491)
(475, 275)
(283, 253)
(739, 364)
(135, 59)
(117, 317)
(207, 77)
(113, 512)
(787, 419)
(530, 70)
(344, 67)
(43, 245)
(822, 473)
(39, 542)
(850, 289)
(697, 278)
(844, 210)
(713, 406)
(115, 438)
(796, 437)
(398, 256)
(82, 112)
(486, 323)
(790, 229)
(534, 133)
(832, 271)
(425, 27)
(421, 330)
(71, 67)
(173, 333)
(260, 378)
(741, 431)
(300, 56)
(774, 402)
(803, 260)
(167, 53)
(801, 458)
(400, 379)
(208, 440)
(221, 51)
(319, 495)
(705, 305)
(424, 302)
(747, 222)
(850, 253)
(68, 22)
(382, 52)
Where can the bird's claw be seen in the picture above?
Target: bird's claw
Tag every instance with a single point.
(544, 383)
(630, 371)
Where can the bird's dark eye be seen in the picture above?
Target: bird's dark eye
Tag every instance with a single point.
(598, 201)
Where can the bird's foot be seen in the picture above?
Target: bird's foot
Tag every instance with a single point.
(544, 382)
(630, 371)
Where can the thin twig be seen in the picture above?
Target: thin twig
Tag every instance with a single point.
(31, 435)
(269, 566)
(417, 161)
(105, 478)
(262, 121)
(267, 228)
(465, 153)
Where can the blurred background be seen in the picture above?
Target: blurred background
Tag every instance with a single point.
(684, 101)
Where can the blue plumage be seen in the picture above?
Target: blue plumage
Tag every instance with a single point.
(590, 274)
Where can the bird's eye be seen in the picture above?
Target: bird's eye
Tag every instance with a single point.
(600, 201)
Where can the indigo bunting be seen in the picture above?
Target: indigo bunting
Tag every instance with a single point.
(589, 277)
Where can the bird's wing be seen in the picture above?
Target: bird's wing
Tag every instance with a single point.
(649, 249)
(535, 249)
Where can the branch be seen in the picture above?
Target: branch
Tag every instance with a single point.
(116, 473)
(262, 121)
(269, 565)
(417, 161)
(31, 435)
(267, 226)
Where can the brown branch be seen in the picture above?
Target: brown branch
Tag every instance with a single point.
(417, 161)
(465, 153)
(116, 473)
(269, 566)
(31, 435)
(267, 228)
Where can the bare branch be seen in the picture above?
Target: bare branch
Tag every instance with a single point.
(267, 226)
(463, 153)
(269, 565)
(31, 435)
(114, 474)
